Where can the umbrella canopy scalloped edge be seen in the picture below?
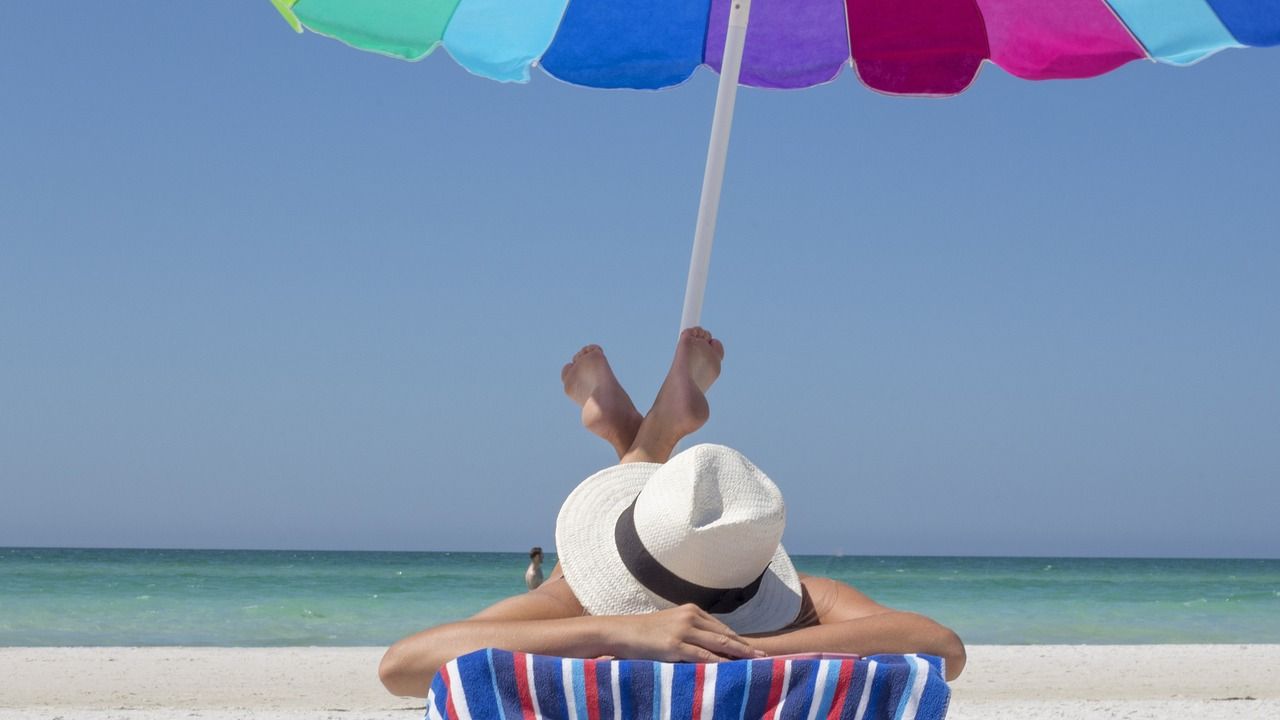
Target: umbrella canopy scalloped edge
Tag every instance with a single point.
(898, 47)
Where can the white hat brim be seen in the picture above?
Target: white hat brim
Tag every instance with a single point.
(595, 572)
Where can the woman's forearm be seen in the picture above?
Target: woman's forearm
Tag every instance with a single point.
(891, 632)
(409, 665)
(680, 634)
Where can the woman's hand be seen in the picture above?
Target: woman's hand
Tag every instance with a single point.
(680, 634)
(850, 622)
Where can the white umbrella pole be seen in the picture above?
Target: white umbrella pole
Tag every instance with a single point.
(717, 153)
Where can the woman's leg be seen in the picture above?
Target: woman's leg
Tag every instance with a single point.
(681, 406)
(607, 410)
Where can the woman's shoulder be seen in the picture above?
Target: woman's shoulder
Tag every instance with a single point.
(835, 601)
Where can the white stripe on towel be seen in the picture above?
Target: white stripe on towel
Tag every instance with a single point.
(818, 688)
(533, 688)
(709, 692)
(456, 692)
(866, 690)
(433, 712)
(616, 686)
(570, 697)
(666, 671)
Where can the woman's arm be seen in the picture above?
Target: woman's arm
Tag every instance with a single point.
(550, 622)
(851, 622)
(409, 664)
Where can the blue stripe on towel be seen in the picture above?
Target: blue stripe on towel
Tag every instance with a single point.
(746, 695)
(642, 690)
(624, 685)
(550, 686)
(604, 689)
(730, 679)
(683, 679)
(504, 683)
(657, 690)
(439, 691)
(937, 695)
(904, 700)
(877, 692)
(831, 673)
(475, 677)
(804, 675)
(853, 694)
(579, 680)
(758, 690)
(493, 682)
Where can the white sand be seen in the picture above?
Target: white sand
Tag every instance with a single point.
(1026, 682)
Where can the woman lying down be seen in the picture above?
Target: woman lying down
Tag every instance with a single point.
(675, 559)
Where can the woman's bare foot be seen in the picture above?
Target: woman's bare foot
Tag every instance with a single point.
(681, 406)
(607, 410)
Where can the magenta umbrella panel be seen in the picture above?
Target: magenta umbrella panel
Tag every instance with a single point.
(901, 47)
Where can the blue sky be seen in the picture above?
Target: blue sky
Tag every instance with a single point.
(260, 290)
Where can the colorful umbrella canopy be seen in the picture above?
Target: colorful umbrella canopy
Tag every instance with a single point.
(901, 47)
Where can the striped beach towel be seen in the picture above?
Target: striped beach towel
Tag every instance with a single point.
(500, 685)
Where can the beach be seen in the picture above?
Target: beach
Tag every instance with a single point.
(1001, 681)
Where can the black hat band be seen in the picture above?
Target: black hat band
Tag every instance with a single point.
(646, 569)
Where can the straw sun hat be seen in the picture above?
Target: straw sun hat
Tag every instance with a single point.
(703, 527)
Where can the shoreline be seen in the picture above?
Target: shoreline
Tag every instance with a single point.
(1000, 681)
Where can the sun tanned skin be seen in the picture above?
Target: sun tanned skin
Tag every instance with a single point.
(551, 621)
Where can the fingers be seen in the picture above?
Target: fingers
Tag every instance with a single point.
(714, 635)
(722, 646)
(697, 636)
(688, 652)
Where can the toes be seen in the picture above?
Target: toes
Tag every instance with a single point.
(586, 350)
(703, 335)
(573, 367)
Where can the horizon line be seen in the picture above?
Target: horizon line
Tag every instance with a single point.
(4, 548)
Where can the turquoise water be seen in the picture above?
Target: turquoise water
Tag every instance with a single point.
(273, 598)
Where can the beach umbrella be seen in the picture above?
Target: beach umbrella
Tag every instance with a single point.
(931, 48)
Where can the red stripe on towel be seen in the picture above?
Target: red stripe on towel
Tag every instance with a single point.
(699, 673)
(779, 668)
(843, 681)
(522, 684)
(592, 687)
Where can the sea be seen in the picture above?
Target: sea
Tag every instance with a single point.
(94, 597)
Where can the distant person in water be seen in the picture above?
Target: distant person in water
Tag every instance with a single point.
(676, 561)
(533, 575)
